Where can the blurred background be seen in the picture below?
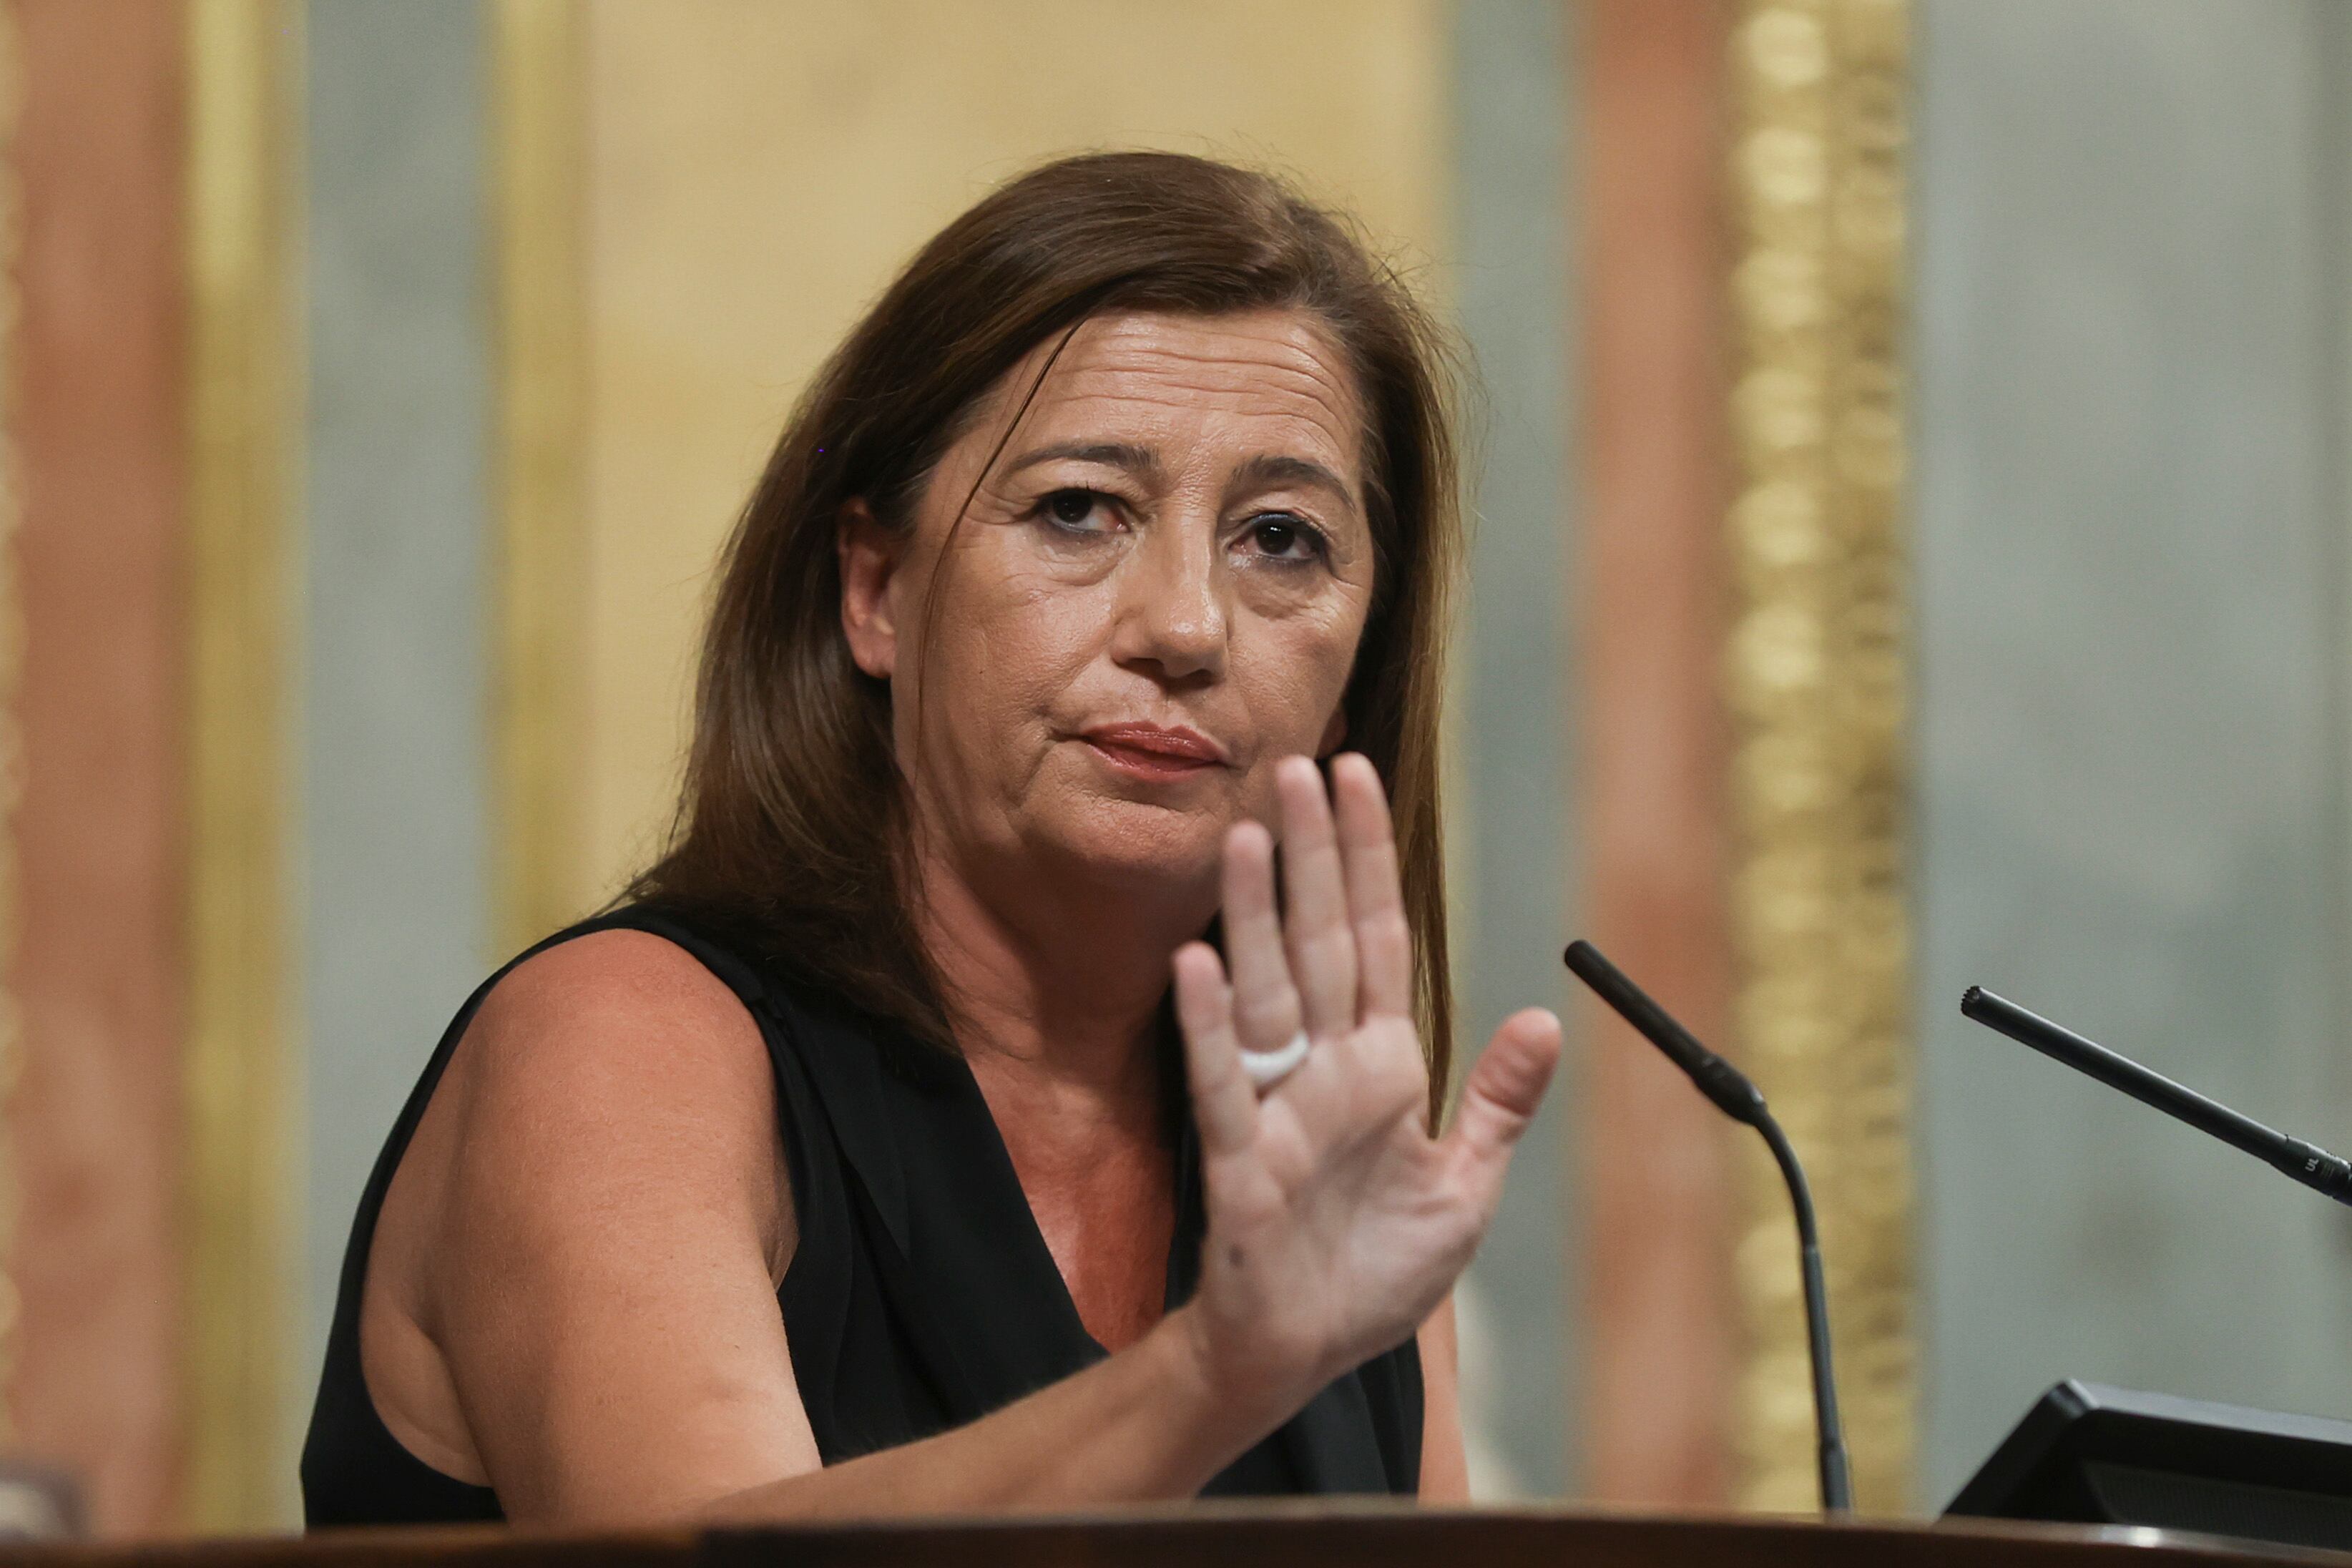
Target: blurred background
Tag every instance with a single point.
(1912, 516)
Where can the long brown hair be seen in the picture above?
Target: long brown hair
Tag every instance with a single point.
(790, 829)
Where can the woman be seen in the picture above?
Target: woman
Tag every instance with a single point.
(865, 1159)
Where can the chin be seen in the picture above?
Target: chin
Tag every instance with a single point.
(1138, 845)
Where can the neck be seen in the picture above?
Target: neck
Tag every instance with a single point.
(1047, 983)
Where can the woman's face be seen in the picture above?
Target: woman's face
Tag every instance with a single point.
(1156, 595)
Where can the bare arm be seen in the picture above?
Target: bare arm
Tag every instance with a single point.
(1444, 1464)
(1150, 1423)
(589, 1226)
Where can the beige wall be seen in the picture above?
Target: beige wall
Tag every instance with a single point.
(757, 170)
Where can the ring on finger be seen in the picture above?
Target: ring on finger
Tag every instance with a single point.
(1266, 1069)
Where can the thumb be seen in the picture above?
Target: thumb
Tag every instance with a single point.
(1505, 1086)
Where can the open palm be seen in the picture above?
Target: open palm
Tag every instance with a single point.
(1336, 1222)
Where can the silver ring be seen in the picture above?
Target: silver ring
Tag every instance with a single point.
(1266, 1069)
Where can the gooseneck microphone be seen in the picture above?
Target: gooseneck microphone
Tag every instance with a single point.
(2314, 1167)
(1739, 1100)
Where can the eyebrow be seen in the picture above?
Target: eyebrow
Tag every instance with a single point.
(1276, 469)
(1266, 468)
(1138, 460)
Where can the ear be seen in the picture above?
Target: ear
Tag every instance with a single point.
(1333, 733)
(868, 555)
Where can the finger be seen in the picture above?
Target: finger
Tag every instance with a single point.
(1375, 898)
(1264, 1003)
(1505, 1087)
(1321, 943)
(1224, 1102)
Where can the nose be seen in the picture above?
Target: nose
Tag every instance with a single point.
(1172, 615)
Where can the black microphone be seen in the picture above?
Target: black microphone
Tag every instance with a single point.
(2314, 1167)
(1739, 1100)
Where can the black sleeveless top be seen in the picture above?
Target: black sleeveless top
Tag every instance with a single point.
(920, 1295)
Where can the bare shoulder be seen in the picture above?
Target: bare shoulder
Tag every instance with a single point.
(609, 1083)
(606, 989)
(615, 1030)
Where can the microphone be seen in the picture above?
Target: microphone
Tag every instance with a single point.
(2312, 1166)
(1739, 1099)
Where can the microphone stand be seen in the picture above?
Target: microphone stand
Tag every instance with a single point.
(2312, 1166)
(1836, 1489)
(1740, 1099)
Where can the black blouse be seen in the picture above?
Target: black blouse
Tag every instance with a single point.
(920, 1295)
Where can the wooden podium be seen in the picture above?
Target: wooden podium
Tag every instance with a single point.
(1259, 1536)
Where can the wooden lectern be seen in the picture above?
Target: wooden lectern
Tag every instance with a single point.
(1260, 1535)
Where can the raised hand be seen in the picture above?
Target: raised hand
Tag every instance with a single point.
(1336, 1222)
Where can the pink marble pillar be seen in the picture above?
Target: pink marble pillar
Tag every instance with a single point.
(92, 1124)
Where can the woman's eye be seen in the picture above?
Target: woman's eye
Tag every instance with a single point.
(1286, 538)
(1080, 512)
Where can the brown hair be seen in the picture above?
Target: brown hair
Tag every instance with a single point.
(791, 827)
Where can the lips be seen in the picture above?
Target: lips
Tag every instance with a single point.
(1153, 750)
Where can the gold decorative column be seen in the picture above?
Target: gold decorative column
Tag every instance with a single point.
(539, 116)
(241, 412)
(1818, 685)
